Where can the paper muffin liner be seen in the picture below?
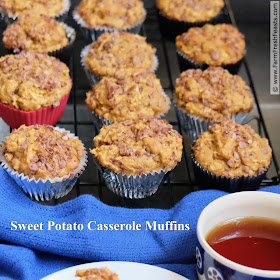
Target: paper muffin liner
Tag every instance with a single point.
(46, 115)
(95, 78)
(209, 180)
(10, 18)
(187, 63)
(48, 188)
(64, 53)
(194, 125)
(99, 121)
(94, 32)
(170, 28)
(133, 187)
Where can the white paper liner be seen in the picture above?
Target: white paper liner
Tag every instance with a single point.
(194, 125)
(10, 18)
(96, 31)
(48, 188)
(132, 186)
(210, 180)
(100, 121)
(94, 78)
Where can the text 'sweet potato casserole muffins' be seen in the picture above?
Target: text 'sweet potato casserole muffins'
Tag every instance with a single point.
(135, 156)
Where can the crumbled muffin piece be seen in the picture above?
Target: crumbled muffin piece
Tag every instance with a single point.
(212, 93)
(215, 45)
(111, 13)
(51, 8)
(40, 151)
(103, 273)
(38, 33)
(232, 150)
(119, 54)
(30, 81)
(129, 98)
(190, 10)
(137, 148)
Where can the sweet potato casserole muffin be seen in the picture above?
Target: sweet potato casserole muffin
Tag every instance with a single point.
(212, 93)
(128, 98)
(190, 10)
(120, 52)
(34, 32)
(137, 148)
(103, 273)
(215, 45)
(40, 151)
(30, 81)
(51, 8)
(232, 150)
(111, 13)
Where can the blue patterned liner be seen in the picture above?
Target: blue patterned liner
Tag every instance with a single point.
(94, 32)
(130, 186)
(194, 125)
(93, 78)
(210, 180)
(10, 18)
(47, 189)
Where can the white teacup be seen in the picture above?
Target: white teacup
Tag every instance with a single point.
(210, 264)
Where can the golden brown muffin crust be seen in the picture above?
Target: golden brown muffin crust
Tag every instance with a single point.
(38, 33)
(40, 151)
(190, 10)
(215, 45)
(111, 13)
(51, 8)
(212, 93)
(30, 81)
(120, 53)
(232, 150)
(103, 273)
(136, 148)
(130, 98)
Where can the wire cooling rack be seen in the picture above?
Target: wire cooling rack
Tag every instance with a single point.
(181, 180)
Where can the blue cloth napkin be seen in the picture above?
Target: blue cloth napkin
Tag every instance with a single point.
(35, 254)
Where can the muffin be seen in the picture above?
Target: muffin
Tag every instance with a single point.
(134, 156)
(52, 8)
(102, 273)
(34, 88)
(45, 161)
(176, 16)
(127, 98)
(211, 45)
(98, 16)
(38, 33)
(117, 54)
(204, 96)
(231, 156)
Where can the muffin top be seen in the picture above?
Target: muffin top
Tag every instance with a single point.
(40, 151)
(103, 273)
(212, 93)
(232, 150)
(51, 8)
(215, 45)
(38, 33)
(111, 13)
(137, 148)
(128, 98)
(118, 53)
(190, 10)
(30, 81)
